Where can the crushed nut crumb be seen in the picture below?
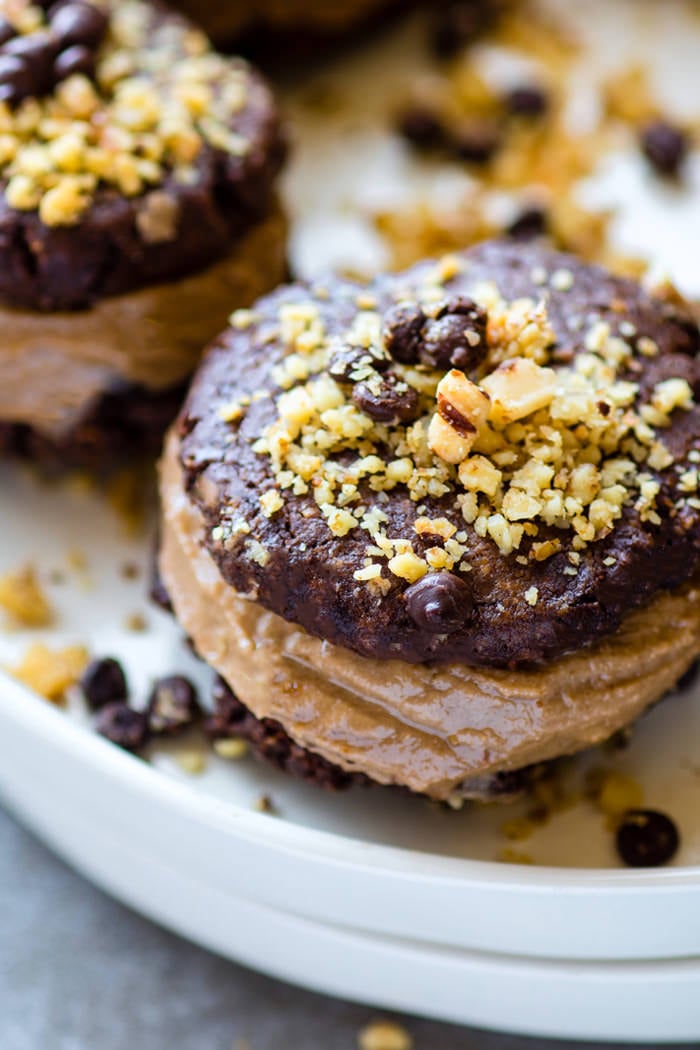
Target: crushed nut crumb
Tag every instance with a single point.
(23, 600)
(384, 1035)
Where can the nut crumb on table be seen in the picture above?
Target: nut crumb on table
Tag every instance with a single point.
(384, 1035)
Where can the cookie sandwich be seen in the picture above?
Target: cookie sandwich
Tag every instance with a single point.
(137, 208)
(439, 529)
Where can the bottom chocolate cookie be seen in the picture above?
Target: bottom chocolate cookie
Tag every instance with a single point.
(126, 422)
(269, 742)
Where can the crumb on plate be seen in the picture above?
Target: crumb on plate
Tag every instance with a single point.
(23, 600)
(51, 672)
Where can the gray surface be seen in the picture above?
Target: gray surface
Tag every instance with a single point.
(80, 972)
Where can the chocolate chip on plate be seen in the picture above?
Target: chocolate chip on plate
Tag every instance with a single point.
(646, 838)
(386, 400)
(440, 603)
(456, 337)
(104, 682)
(665, 147)
(123, 726)
(527, 100)
(172, 706)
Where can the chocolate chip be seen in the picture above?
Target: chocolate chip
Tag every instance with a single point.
(172, 706)
(386, 400)
(403, 332)
(421, 127)
(476, 141)
(646, 838)
(16, 81)
(79, 23)
(7, 31)
(529, 100)
(349, 364)
(456, 337)
(530, 222)
(104, 682)
(123, 726)
(75, 59)
(664, 146)
(37, 51)
(440, 603)
(158, 592)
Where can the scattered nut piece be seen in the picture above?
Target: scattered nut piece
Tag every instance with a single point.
(191, 760)
(23, 600)
(384, 1035)
(232, 748)
(136, 622)
(50, 673)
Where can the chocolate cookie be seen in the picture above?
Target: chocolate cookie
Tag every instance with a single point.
(400, 530)
(137, 191)
(444, 526)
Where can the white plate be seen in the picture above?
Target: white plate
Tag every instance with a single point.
(202, 868)
(369, 894)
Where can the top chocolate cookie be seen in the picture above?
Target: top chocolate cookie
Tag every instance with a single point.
(120, 131)
(488, 459)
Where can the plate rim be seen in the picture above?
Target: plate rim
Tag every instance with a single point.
(39, 715)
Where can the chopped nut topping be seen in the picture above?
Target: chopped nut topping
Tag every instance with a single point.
(532, 595)
(159, 95)
(522, 447)
(518, 388)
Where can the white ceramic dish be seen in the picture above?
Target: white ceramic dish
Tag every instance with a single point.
(203, 869)
(369, 895)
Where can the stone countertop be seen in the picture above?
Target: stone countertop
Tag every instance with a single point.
(80, 972)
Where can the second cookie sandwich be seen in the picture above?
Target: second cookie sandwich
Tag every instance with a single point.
(137, 208)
